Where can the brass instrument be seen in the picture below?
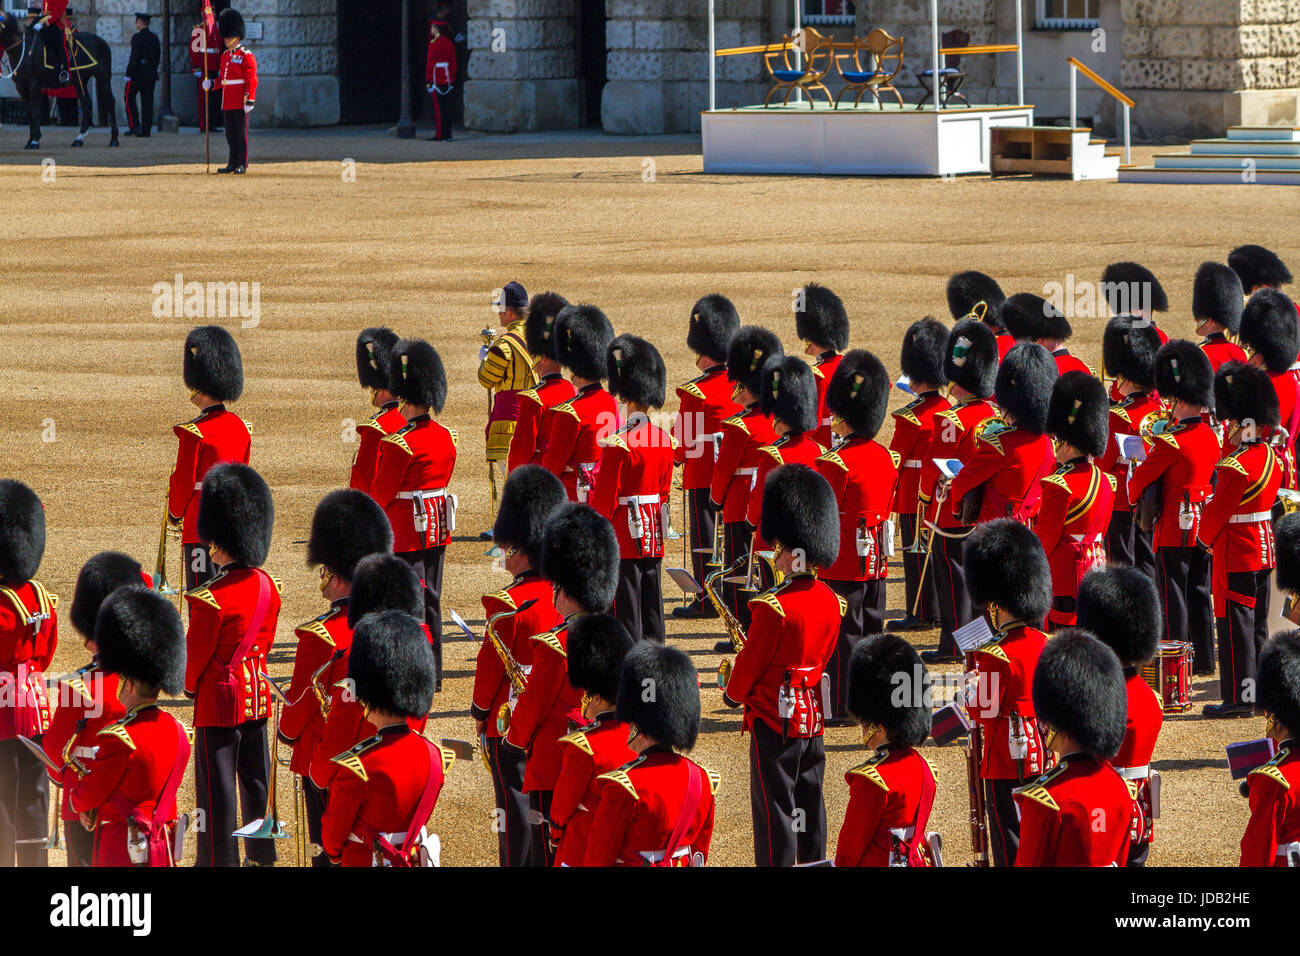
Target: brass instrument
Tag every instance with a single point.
(489, 336)
(515, 672)
(270, 826)
(1148, 506)
(716, 558)
(916, 547)
(940, 496)
(160, 566)
(1289, 500)
(323, 695)
(748, 582)
(729, 620)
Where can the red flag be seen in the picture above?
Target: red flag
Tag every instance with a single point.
(209, 18)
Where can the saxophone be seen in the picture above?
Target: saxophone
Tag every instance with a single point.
(322, 695)
(515, 672)
(729, 620)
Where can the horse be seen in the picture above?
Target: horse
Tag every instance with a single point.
(33, 69)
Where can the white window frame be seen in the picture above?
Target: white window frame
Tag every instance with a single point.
(1043, 22)
(826, 19)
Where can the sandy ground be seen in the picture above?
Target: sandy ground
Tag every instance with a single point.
(344, 229)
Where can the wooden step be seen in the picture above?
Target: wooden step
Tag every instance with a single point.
(1221, 176)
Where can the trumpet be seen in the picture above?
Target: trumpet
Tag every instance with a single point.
(160, 566)
(916, 547)
(716, 558)
(729, 620)
(515, 672)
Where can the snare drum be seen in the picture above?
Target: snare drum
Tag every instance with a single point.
(1170, 676)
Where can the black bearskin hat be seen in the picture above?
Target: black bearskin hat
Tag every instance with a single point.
(22, 531)
(1277, 683)
(596, 646)
(922, 355)
(1079, 413)
(140, 637)
(874, 667)
(749, 350)
(1257, 266)
(659, 693)
(347, 526)
(1129, 288)
(230, 23)
(1120, 605)
(528, 500)
(101, 576)
(582, 334)
(416, 375)
(236, 513)
(801, 514)
(971, 358)
(1024, 385)
(1006, 566)
(580, 555)
(714, 321)
(391, 664)
(1183, 372)
(1029, 317)
(1217, 295)
(1128, 350)
(966, 290)
(384, 582)
(539, 325)
(1079, 690)
(858, 392)
(1268, 327)
(374, 356)
(1286, 551)
(789, 392)
(636, 371)
(822, 320)
(1244, 393)
(212, 363)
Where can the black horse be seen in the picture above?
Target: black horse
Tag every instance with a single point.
(33, 68)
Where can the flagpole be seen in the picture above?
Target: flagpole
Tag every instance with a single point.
(207, 119)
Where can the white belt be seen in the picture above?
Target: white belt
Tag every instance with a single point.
(1253, 518)
(1078, 537)
(396, 839)
(744, 473)
(1286, 849)
(84, 753)
(210, 50)
(827, 421)
(635, 501)
(580, 466)
(1134, 773)
(912, 463)
(231, 82)
(426, 493)
(712, 436)
(656, 856)
(902, 833)
(198, 486)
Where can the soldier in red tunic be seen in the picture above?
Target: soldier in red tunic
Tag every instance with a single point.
(1180, 464)
(414, 470)
(537, 404)
(387, 785)
(705, 403)
(530, 497)
(597, 646)
(779, 673)
(1237, 527)
(582, 334)
(970, 364)
(129, 794)
(1270, 337)
(29, 633)
(892, 792)
(214, 374)
(1216, 309)
(1121, 607)
(1010, 580)
(1131, 289)
(922, 361)
(88, 696)
(440, 76)
(1258, 268)
(205, 63)
(1129, 353)
(863, 474)
(346, 526)
(974, 295)
(658, 809)
(374, 355)
(634, 483)
(1079, 813)
(1272, 836)
(1078, 495)
(823, 327)
(580, 560)
(232, 627)
(1031, 318)
(238, 85)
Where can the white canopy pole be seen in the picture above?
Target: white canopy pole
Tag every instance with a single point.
(1020, 52)
(934, 49)
(713, 62)
(798, 52)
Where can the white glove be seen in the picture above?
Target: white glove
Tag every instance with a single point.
(429, 88)
(482, 352)
(248, 107)
(207, 84)
(198, 74)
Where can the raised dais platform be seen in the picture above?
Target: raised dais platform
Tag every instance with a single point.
(1247, 155)
(861, 141)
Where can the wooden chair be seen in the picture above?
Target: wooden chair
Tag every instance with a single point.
(950, 75)
(885, 59)
(818, 58)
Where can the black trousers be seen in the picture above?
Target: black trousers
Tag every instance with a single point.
(1004, 821)
(79, 842)
(236, 122)
(142, 118)
(1184, 583)
(222, 756)
(950, 584)
(1242, 634)
(514, 834)
(1137, 854)
(539, 805)
(785, 797)
(865, 615)
(638, 600)
(313, 798)
(1128, 544)
(198, 566)
(427, 564)
(703, 529)
(24, 806)
(442, 114)
(737, 538)
(912, 580)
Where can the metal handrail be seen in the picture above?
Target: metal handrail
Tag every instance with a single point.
(1128, 103)
(1122, 97)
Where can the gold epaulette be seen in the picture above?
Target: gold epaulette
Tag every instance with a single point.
(317, 628)
(1165, 436)
(76, 681)
(1232, 462)
(279, 585)
(614, 441)
(351, 758)
(869, 771)
(623, 780)
(933, 773)
(907, 415)
(1121, 410)
(737, 421)
(770, 600)
(118, 729)
(1114, 485)
(844, 605)
(990, 433)
(950, 414)
(248, 426)
(579, 740)
(715, 779)
(1272, 771)
(503, 597)
(817, 371)
(1058, 480)
(373, 422)
(550, 640)
(773, 453)
(895, 457)
(693, 390)
(531, 395)
(834, 459)
(396, 439)
(448, 757)
(566, 408)
(994, 649)
(204, 595)
(1039, 795)
(455, 437)
(190, 427)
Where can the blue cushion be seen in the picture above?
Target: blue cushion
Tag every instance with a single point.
(789, 75)
(855, 77)
(944, 72)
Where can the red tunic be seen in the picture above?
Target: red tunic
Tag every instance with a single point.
(825, 368)
(1079, 813)
(1005, 342)
(370, 433)
(1005, 702)
(536, 418)
(541, 714)
(238, 80)
(954, 437)
(440, 62)
(640, 805)
(705, 403)
(1237, 523)
(1010, 463)
(736, 470)
(863, 474)
(491, 686)
(419, 457)
(1219, 350)
(885, 794)
(29, 633)
(220, 615)
(636, 463)
(1065, 362)
(1126, 417)
(319, 641)
(214, 437)
(913, 435)
(1287, 387)
(588, 753)
(789, 449)
(1274, 791)
(1077, 505)
(1144, 718)
(1182, 459)
(88, 703)
(577, 428)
